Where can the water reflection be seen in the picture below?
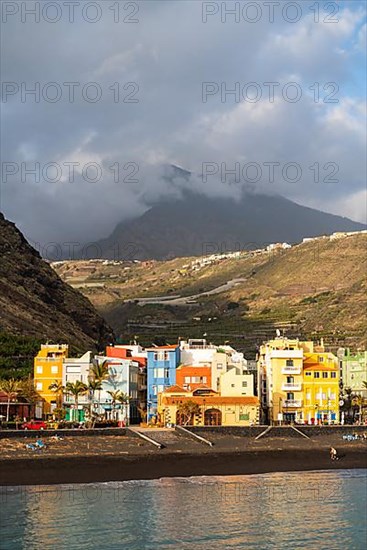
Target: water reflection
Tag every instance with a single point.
(270, 511)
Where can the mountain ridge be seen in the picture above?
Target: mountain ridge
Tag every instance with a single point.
(196, 225)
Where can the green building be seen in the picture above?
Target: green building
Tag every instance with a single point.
(353, 370)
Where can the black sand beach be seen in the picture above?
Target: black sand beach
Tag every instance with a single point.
(122, 458)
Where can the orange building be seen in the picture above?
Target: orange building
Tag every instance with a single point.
(190, 377)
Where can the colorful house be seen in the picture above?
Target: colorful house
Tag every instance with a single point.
(321, 388)
(76, 369)
(353, 370)
(162, 362)
(298, 382)
(48, 365)
(280, 379)
(213, 409)
(191, 377)
(123, 378)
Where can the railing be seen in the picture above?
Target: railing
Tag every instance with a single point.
(291, 370)
(292, 403)
(292, 386)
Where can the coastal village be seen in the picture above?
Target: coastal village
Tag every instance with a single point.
(193, 383)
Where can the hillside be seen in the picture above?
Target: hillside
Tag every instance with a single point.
(36, 303)
(317, 288)
(199, 225)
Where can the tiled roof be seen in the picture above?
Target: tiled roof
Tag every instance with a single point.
(175, 389)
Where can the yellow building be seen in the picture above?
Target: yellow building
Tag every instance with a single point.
(321, 388)
(212, 408)
(288, 389)
(48, 369)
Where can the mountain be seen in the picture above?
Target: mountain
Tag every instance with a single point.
(35, 302)
(198, 225)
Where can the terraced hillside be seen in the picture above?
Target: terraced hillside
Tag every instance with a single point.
(317, 288)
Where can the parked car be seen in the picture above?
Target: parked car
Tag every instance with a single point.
(34, 425)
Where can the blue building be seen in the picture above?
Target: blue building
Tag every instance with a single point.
(162, 363)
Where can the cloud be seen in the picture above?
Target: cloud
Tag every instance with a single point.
(156, 70)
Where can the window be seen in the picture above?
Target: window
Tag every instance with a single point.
(54, 369)
(333, 374)
(39, 370)
(316, 375)
(39, 386)
(321, 359)
(290, 380)
(244, 384)
(289, 363)
(324, 374)
(308, 396)
(245, 416)
(154, 389)
(166, 373)
(161, 356)
(158, 373)
(290, 396)
(219, 366)
(308, 374)
(204, 379)
(187, 379)
(160, 388)
(233, 385)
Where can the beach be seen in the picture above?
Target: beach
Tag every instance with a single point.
(119, 458)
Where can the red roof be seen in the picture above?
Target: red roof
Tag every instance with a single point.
(175, 389)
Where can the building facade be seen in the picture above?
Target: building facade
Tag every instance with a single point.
(48, 368)
(162, 362)
(353, 371)
(213, 409)
(297, 382)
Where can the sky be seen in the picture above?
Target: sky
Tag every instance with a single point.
(270, 96)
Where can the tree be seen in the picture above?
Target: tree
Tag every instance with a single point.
(187, 410)
(124, 399)
(12, 389)
(76, 389)
(98, 373)
(115, 395)
(58, 389)
(93, 386)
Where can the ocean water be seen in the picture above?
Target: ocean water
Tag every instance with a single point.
(310, 510)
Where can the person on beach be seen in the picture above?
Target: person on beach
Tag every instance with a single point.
(333, 454)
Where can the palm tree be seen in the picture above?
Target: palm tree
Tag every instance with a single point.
(58, 388)
(93, 386)
(98, 373)
(76, 389)
(124, 399)
(115, 396)
(11, 388)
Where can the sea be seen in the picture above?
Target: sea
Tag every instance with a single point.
(318, 510)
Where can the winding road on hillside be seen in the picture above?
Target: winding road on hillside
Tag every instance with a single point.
(177, 300)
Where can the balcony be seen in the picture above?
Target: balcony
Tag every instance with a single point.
(291, 370)
(292, 403)
(292, 387)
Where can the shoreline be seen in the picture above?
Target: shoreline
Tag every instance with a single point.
(97, 468)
